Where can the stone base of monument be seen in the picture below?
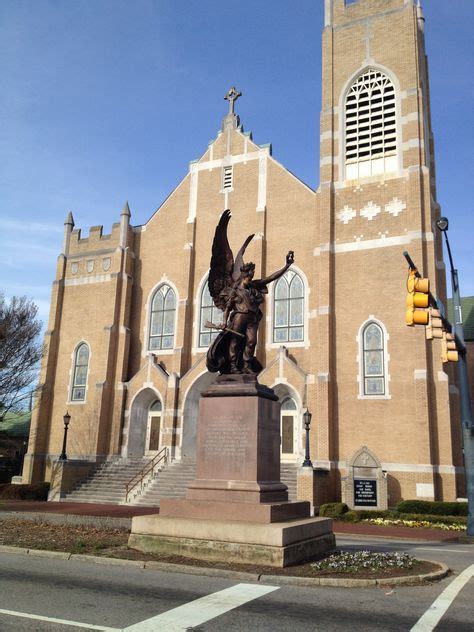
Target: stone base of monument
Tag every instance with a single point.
(237, 508)
(277, 544)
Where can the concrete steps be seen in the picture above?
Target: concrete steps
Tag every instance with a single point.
(173, 480)
(288, 476)
(107, 484)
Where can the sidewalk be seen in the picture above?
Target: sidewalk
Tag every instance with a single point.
(121, 516)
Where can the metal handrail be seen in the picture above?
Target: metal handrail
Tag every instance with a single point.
(149, 468)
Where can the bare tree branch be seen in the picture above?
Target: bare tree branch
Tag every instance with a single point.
(20, 351)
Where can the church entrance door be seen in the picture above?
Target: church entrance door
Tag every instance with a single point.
(152, 442)
(289, 430)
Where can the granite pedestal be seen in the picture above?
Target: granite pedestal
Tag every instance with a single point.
(237, 507)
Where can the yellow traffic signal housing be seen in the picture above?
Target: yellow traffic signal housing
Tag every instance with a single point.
(434, 328)
(417, 300)
(449, 352)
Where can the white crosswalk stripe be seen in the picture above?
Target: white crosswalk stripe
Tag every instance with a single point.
(437, 609)
(201, 610)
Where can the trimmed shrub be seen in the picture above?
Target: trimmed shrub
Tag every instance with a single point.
(35, 491)
(333, 510)
(432, 507)
(432, 518)
(366, 514)
(350, 516)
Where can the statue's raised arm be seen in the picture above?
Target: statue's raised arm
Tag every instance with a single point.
(239, 296)
(262, 283)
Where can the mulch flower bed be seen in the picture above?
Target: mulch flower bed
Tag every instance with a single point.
(113, 543)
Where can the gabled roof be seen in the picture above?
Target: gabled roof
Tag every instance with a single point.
(205, 156)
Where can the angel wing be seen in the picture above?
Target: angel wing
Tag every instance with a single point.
(239, 260)
(222, 263)
(224, 272)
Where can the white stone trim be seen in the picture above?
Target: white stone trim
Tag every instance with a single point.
(346, 214)
(413, 143)
(395, 207)
(408, 118)
(86, 280)
(193, 189)
(368, 244)
(416, 468)
(419, 374)
(329, 135)
(228, 160)
(370, 211)
(262, 180)
(327, 160)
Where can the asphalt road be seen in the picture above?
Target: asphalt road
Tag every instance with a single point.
(40, 593)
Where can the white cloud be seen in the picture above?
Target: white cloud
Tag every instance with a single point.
(29, 227)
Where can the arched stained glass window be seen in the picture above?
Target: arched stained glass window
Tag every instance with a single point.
(208, 312)
(288, 308)
(373, 360)
(370, 126)
(162, 320)
(81, 369)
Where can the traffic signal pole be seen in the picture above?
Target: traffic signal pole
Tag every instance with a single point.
(467, 424)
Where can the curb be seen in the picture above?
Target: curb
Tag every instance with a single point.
(407, 580)
(287, 580)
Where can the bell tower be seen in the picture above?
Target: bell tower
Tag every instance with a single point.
(377, 198)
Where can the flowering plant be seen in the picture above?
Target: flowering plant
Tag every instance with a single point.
(388, 522)
(355, 561)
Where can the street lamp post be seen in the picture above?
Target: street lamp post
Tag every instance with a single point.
(66, 419)
(307, 423)
(464, 396)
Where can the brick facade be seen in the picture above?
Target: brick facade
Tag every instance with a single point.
(348, 239)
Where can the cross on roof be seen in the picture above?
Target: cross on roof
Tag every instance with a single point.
(232, 96)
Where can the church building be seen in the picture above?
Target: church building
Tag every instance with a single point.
(127, 335)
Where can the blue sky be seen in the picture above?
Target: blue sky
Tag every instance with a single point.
(108, 100)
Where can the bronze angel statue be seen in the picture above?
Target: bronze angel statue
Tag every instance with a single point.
(239, 296)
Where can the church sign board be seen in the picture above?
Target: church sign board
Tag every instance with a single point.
(365, 492)
(365, 485)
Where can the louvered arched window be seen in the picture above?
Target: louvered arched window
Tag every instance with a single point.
(208, 312)
(370, 126)
(373, 360)
(80, 371)
(288, 308)
(162, 319)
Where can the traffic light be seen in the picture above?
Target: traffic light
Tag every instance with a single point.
(434, 328)
(449, 352)
(418, 299)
